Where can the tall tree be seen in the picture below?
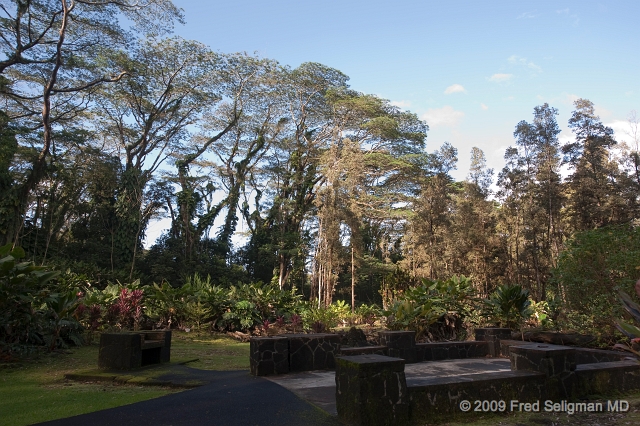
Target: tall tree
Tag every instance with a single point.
(427, 231)
(593, 198)
(146, 117)
(530, 188)
(55, 56)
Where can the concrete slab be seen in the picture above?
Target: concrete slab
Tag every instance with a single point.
(319, 387)
(316, 387)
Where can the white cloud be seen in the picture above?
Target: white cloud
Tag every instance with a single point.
(484, 107)
(621, 129)
(518, 60)
(445, 116)
(401, 104)
(500, 78)
(602, 112)
(570, 98)
(455, 88)
(526, 15)
(575, 19)
(565, 137)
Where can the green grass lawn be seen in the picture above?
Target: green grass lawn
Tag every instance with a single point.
(35, 390)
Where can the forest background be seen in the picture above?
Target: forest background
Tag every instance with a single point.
(109, 122)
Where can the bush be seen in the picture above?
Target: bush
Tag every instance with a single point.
(630, 330)
(436, 309)
(598, 263)
(33, 310)
(368, 314)
(319, 319)
(509, 306)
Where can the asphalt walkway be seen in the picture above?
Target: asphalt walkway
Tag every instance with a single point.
(229, 398)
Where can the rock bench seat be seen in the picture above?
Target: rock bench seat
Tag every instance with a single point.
(126, 351)
(363, 350)
(150, 344)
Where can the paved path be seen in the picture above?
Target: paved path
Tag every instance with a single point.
(237, 398)
(230, 398)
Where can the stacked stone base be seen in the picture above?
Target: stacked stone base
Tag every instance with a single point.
(372, 390)
(293, 353)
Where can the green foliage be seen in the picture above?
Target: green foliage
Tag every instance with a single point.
(320, 318)
(414, 315)
(630, 330)
(435, 308)
(368, 314)
(167, 305)
(509, 305)
(542, 312)
(342, 311)
(23, 296)
(242, 315)
(63, 326)
(199, 302)
(592, 269)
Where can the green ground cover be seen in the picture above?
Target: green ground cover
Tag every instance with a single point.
(35, 390)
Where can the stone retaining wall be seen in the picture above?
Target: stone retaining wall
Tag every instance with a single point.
(539, 373)
(293, 352)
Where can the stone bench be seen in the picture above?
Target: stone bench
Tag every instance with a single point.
(363, 350)
(451, 350)
(126, 351)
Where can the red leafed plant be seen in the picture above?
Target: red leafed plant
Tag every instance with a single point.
(128, 309)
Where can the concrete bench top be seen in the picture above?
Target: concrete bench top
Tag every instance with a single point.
(150, 344)
(361, 348)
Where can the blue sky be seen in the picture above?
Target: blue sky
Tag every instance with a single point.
(471, 69)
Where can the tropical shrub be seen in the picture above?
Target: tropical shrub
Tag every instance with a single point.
(118, 306)
(319, 319)
(342, 312)
(166, 305)
(598, 263)
(509, 306)
(435, 309)
(63, 327)
(630, 330)
(368, 314)
(33, 310)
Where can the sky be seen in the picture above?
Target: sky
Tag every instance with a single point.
(471, 69)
